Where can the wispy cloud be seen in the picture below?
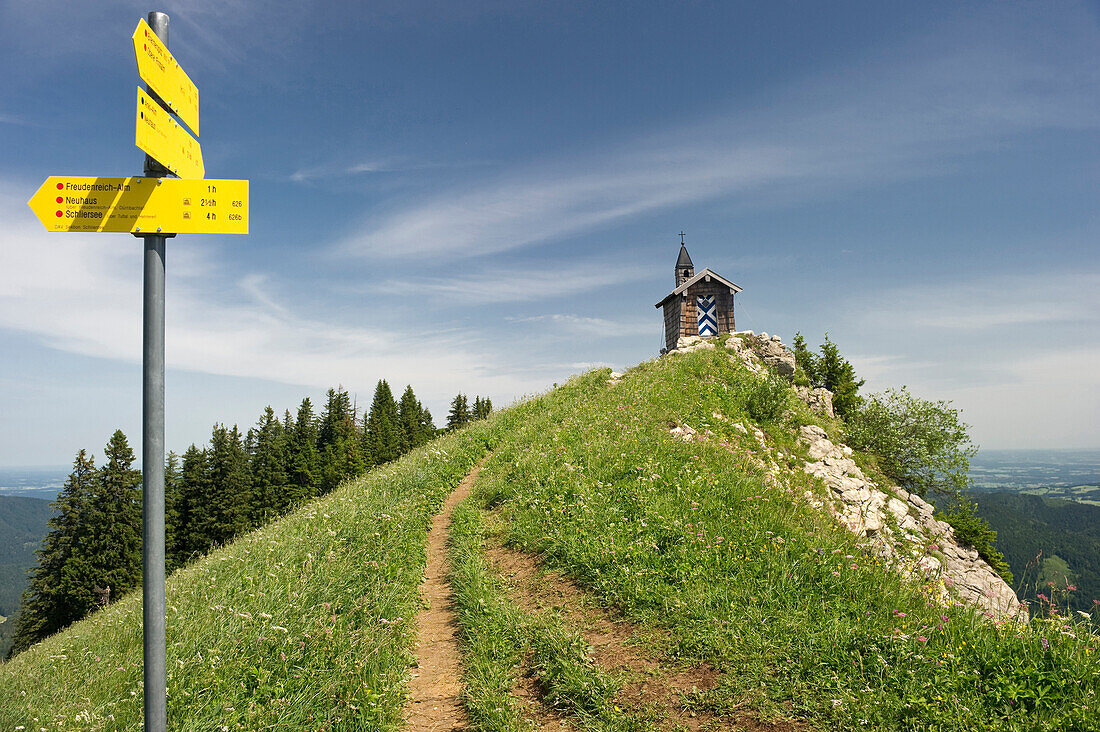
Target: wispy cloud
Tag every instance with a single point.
(379, 166)
(892, 121)
(12, 119)
(582, 325)
(991, 302)
(516, 284)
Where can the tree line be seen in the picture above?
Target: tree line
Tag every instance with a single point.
(92, 553)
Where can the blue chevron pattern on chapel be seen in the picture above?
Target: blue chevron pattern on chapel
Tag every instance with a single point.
(708, 319)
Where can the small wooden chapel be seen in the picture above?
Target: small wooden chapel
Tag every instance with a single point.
(701, 304)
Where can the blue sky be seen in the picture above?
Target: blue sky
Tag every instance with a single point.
(486, 197)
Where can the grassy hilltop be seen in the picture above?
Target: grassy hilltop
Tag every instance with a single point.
(590, 528)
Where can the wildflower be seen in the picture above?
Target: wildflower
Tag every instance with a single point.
(1046, 644)
(922, 639)
(1071, 588)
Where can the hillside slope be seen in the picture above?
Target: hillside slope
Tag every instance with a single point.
(22, 527)
(639, 551)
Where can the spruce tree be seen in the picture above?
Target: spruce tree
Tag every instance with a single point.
(268, 464)
(46, 606)
(460, 412)
(831, 371)
(382, 435)
(339, 442)
(483, 406)
(408, 421)
(110, 534)
(303, 461)
(839, 377)
(192, 510)
(229, 489)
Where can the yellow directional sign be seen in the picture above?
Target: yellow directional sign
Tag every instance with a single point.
(142, 205)
(166, 140)
(158, 69)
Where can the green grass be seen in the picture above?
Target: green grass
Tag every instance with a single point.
(304, 624)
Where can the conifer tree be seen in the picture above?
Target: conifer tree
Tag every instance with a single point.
(409, 416)
(228, 487)
(268, 465)
(482, 407)
(339, 442)
(460, 412)
(110, 533)
(831, 371)
(46, 606)
(303, 459)
(382, 433)
(191, 509)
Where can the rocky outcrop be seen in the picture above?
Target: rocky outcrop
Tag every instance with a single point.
(899, 527)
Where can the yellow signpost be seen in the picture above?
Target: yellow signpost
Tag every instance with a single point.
(142, 205)
(166, 140)
(158, 68)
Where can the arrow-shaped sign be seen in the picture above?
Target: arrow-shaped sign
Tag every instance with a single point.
(142, 205)
(158, 68)
(166, 140)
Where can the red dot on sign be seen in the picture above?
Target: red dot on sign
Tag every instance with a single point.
(60, 186)
(58, 214)
(59, 199)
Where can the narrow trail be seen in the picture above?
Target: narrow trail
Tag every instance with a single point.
(435, 687)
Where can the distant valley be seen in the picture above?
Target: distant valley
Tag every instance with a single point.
(1072, 475)
(33, 482)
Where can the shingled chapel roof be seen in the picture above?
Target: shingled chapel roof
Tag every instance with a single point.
(706, 273)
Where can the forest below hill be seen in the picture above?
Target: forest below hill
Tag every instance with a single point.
(22, 526)
(1051, 545)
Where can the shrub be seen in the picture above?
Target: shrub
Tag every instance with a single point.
(920, 444)
(767, 398)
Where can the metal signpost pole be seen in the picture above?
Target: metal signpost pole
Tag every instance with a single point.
(152, 459)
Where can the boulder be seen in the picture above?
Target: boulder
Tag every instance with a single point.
(820, 400)
(773, 353)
